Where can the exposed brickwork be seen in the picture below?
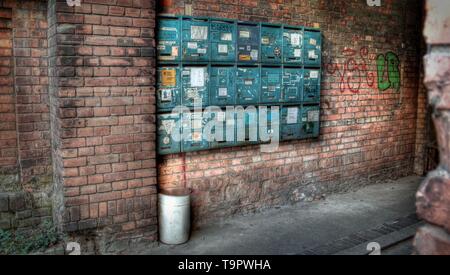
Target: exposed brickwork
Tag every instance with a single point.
(31, 85)
(78, 94)
(25, 159)
(433, 197)
(8, 133)
(367, 134)
(102, 97)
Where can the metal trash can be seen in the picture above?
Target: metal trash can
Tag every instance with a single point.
(174, 213)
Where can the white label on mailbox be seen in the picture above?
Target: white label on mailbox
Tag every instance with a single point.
(174, 51)
(169, 29)
(223, 48)
(314, 74)
(244, 34)
(312, 41)
(192, 45)
(248, 82)
(166, 95)
(197, 77)
(292, 115)
(313, 115)
(226, 36)
(223, 92)
(297, 53)
(201, 51)
(295, 39)
(199, 32)
(254, 54)
(312, 54)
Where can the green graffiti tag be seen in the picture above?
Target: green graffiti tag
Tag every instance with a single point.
(388, 71)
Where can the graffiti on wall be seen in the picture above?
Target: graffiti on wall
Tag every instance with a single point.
(355, 71)
(352, 74)
(388, 71)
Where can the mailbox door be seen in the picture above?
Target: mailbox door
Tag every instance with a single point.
(290, 122)
(223, 41)
(310, 123)
(222, 87)
(194, 85)
(168, 88)
(248, 43)
(195, 40)
(247, 127)
(169, 37)
(271, 44)
(194, 138)
(292, 85)
(293, 46)
(273, 121)
(313, 45)
(311, 86)
(168, 126)
(227, 121)
(247, 85)
(271, 82)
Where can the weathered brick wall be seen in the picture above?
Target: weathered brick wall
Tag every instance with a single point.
(25, 158)
(368, 132)
(8, 133)
(78, 94)
(102, 115)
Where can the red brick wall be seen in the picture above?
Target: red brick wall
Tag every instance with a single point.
(102, 113)
(25, 155)
(366, 134)
(31, 85)
(8, 136)
(25, 140)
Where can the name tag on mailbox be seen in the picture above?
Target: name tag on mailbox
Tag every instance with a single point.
(223, 41)
(310, 123)
(248, 43)
(292, 85)
(168, 88)
(293, 46)
(313, 48)
(271, 43)
(195, 40)
(194, 86)
(311, 86)
(247, 85)
(290, 122)
(168, 37)
(222, 85)
(169, 134)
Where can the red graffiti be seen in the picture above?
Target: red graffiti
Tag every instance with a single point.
(352, 74)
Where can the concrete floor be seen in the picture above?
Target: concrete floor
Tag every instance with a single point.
(291, 229)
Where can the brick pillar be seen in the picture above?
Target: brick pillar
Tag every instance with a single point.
(102, 115)
(31, 87)
(433, 197)
(8, 137)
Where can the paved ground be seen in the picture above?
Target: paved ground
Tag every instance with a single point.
(293, 229)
